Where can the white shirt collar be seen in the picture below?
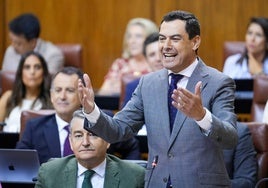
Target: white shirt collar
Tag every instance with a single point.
(60, 122)
(99, 170)
(188, 70)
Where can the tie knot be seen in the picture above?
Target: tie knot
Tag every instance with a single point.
(89, 174)
(175, 77)
(66, 128)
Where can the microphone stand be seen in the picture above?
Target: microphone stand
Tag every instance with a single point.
(154, 163)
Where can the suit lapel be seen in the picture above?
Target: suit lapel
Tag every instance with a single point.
(199, 74)
(52, 137)
(70, 174)
(163, 94)
(111, 179)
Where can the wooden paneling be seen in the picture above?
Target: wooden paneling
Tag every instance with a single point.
(99, 25)
(220, 20)
(2, 28)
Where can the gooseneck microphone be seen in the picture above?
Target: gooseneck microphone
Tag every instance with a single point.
(154, 164)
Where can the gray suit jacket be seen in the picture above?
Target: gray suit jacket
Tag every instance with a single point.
(62, 172)
(188, 156)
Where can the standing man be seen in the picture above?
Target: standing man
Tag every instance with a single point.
(188, 152)
(24, 32)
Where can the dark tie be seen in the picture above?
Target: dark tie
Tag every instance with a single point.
(87, 182)
(67, 149)
(172, 110)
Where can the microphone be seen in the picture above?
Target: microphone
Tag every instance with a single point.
(154, 164)
(155, 161)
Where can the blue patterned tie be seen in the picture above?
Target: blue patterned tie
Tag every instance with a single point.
(67, 148)
(87, 176)
(172, 110)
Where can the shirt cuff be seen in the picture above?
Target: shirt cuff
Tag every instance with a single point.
(206, 122)
(94, 115)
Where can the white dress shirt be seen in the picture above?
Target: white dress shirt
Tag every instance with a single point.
(97, 180)
(62, 132)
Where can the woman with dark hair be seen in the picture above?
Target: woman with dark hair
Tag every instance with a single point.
(30, 91)
(254, 61)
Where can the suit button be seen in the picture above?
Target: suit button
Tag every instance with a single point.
(218, 138)
(170, 155)
(165, 180)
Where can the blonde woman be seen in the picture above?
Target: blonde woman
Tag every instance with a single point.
(132, 61)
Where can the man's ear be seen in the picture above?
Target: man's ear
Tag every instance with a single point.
(108, 145)
(196, 42)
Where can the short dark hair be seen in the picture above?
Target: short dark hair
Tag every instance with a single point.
(150, 39)
(27, 25)
(192, 25)
(69, 70)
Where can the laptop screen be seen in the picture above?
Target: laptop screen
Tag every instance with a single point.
(18, 165)
(244, 84)
(9, 140)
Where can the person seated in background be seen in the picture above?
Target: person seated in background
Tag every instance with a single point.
(30, 91)
(90, 166)
(48, 134)
(132, 61)
(254, 60)
(24, 31)
(241, 162)
(151, 53)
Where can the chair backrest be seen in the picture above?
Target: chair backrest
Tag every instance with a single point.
(29, 114)
(232, 47)
(7, 79)
(260, 96)
(259, 133)
(72, 54)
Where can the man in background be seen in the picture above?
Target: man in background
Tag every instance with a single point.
(151, 53)
(241, 162)
(49, 134)
(24, 32)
